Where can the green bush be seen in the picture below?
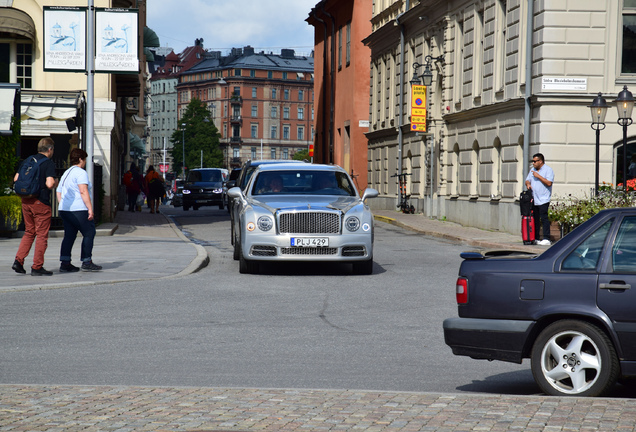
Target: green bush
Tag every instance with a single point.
(11, 210)
(8, 158)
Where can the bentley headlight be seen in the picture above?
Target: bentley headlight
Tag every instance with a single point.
(352, 223)
(265, 223)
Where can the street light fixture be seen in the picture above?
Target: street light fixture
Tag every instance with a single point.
(598, 110)
(625, 105)
(183, 125)
(427, 75)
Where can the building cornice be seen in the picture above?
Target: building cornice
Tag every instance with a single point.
(483, 111)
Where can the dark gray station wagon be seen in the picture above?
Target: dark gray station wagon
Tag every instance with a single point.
(571, 310)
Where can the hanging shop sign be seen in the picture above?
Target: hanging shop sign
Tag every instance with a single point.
(116, 40)
(64, 39)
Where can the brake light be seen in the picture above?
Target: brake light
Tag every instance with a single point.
(461, 290)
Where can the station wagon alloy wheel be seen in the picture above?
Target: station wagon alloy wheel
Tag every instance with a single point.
(574, 358)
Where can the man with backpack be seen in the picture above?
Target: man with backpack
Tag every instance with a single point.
(35, 192)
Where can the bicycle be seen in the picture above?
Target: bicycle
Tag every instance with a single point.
(404, 205)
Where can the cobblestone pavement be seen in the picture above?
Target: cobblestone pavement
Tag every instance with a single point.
(104, 408)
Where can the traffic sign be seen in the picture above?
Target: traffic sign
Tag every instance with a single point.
(418, 108)
(164, 168)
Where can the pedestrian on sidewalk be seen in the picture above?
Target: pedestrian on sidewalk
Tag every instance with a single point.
(36, 209)
(76, 211)
(133, 182)
(154, 188)
(539, 180)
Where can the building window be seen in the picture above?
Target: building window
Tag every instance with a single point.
(236, 111)
(253, 153)
(270, 74)
(340, 48)
(273, 93)
(301, 133)
(284, 75)
(301, 114)
(286, 113)
(628, 64)
(254, 92)
(274, 132)
(500, 45)
(254, 130)
(236, 152)
(286, 132)
(237, 72)
(236, 131)
(285, 153)
(478, 49)
(274, 113)
(312, 113)
(273, 153)
(254, 110)
(348, 43)
(252, 73)
(286, 94)
(23, 60)
(301, 95)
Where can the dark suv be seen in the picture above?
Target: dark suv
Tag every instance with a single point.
(203, 187)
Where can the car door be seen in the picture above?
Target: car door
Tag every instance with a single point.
(616, 294)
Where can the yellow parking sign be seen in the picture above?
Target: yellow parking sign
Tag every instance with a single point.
(418, 108)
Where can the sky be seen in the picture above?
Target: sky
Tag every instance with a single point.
(266, 25)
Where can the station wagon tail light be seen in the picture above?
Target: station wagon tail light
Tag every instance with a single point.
(461, 290)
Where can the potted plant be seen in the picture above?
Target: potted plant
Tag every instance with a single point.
(10, 213)
(10, 204)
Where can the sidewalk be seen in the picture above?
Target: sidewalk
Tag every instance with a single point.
(137, 246)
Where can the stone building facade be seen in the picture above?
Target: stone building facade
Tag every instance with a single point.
(504, 88)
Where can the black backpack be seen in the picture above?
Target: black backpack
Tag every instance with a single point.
(526, 201)
(28, 183)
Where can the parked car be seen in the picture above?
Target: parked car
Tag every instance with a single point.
(302, 212)
(245, 173)
(177, 192)
(203, 187)
(230, 183)
(570, 310)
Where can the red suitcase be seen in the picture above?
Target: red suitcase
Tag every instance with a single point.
(527, 229)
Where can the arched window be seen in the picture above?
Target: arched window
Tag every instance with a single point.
(475, 167)
(456, 169)
(497, 177)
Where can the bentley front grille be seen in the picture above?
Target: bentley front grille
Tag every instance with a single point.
(309, 222)
(353, 251)
(263, 251)
(309, 251)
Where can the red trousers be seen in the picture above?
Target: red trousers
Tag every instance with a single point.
(37, 222)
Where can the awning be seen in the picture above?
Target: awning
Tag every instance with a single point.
(9, 106)
(45, 105)
(17, 22)
(150, 38)
(150, 57)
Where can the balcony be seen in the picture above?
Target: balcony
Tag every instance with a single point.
(236, 139)
(236, 99)
(236, 120)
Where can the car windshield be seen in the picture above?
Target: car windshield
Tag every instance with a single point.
(303, 182)
(204, 176)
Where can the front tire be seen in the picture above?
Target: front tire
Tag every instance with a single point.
(237, 248)
(363, 267)
(247, 266)
(186, 207)
(574, 358)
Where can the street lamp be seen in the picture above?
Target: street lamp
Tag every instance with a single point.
(427, 75)
(598, 110)
(183, 125)
(625, 105)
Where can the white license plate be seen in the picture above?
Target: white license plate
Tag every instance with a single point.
(310, 241)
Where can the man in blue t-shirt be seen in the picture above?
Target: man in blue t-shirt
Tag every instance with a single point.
(540, 180)
(37, 214)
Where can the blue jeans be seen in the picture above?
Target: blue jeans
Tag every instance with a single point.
(75, 221)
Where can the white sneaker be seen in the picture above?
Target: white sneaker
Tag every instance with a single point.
(544, 242)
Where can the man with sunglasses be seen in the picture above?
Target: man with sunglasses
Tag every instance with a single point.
(540, 180)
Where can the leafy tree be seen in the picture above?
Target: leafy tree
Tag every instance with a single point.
(301, 155)
(200, 134)
(8, 157)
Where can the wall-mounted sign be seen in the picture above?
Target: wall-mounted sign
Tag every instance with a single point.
(64, 38)
(116, 40)
(418, 108)
(564, 84)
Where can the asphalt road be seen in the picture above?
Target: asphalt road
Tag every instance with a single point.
(294, 326)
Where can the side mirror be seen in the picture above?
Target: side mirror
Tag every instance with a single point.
(234, 192)
(369, 193)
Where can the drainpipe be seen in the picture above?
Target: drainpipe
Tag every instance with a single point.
(401, 95)
(324, 87)
(332, 83)
(528, 96)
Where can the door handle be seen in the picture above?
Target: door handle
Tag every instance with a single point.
(614, 286)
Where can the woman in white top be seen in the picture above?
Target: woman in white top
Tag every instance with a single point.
(76, 211)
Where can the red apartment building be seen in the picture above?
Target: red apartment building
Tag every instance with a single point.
(262, 103)
(342, 83)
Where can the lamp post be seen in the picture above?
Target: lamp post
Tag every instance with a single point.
(625, 105)
(183, 125)
(427, 75)
(598, 110)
